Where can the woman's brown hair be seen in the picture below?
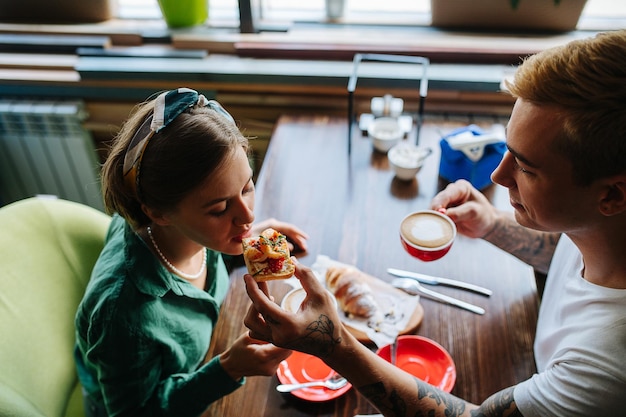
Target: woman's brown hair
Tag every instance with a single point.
(177, 159)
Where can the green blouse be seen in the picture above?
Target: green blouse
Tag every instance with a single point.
(142, 332)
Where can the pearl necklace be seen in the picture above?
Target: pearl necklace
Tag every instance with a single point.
(171, 266)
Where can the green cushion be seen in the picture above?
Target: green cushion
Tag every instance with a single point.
(15, 404)
(47, 250)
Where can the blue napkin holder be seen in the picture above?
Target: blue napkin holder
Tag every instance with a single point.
(470, 153)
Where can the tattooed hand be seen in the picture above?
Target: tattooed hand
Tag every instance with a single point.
(476, 217)
(315, 329)
(471, 211)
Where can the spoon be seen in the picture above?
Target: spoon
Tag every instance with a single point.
(333, 383)
(412, 286)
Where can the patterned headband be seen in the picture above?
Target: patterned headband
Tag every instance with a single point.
(168, 106)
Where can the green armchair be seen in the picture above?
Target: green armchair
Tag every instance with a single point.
(47, 250)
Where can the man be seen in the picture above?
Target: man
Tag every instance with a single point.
(565, 170)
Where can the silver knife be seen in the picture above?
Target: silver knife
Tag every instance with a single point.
(428, 279)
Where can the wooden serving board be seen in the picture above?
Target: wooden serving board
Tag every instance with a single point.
(410, 328)
(380, 289)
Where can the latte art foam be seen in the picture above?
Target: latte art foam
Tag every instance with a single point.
(293, 299)
(427, 230)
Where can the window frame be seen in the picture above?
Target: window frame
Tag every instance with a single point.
(266, 15)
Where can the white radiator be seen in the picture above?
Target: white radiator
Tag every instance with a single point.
(44, 149)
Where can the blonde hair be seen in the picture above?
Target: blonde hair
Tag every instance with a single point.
(176, 161)
(586, 79)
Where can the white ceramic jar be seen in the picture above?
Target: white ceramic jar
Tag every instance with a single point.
(385, 132)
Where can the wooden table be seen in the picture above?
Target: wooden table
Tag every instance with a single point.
(352, 207)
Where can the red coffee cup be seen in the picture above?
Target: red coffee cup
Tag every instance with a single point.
(427, 234)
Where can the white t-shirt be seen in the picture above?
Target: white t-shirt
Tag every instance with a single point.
(580, 345)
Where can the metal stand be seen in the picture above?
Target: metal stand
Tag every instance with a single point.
(425, 62)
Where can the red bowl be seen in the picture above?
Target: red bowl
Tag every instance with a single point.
(424, 359)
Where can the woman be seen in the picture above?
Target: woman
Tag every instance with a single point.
(179, 186)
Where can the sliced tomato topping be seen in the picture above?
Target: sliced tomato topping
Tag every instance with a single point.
(275, 264)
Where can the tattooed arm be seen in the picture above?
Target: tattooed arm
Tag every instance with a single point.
(430, 401)
(317, 329)
(476, 217)
(397, 394)
(531, 246)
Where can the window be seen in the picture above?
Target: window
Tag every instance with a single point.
(361, 11)
(220, 11)
(598, 14)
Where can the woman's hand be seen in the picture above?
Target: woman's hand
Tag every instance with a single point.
(315, 328)
(296, 238)
(250, 357)
(470, 210)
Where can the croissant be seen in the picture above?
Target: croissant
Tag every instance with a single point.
(353, 295)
